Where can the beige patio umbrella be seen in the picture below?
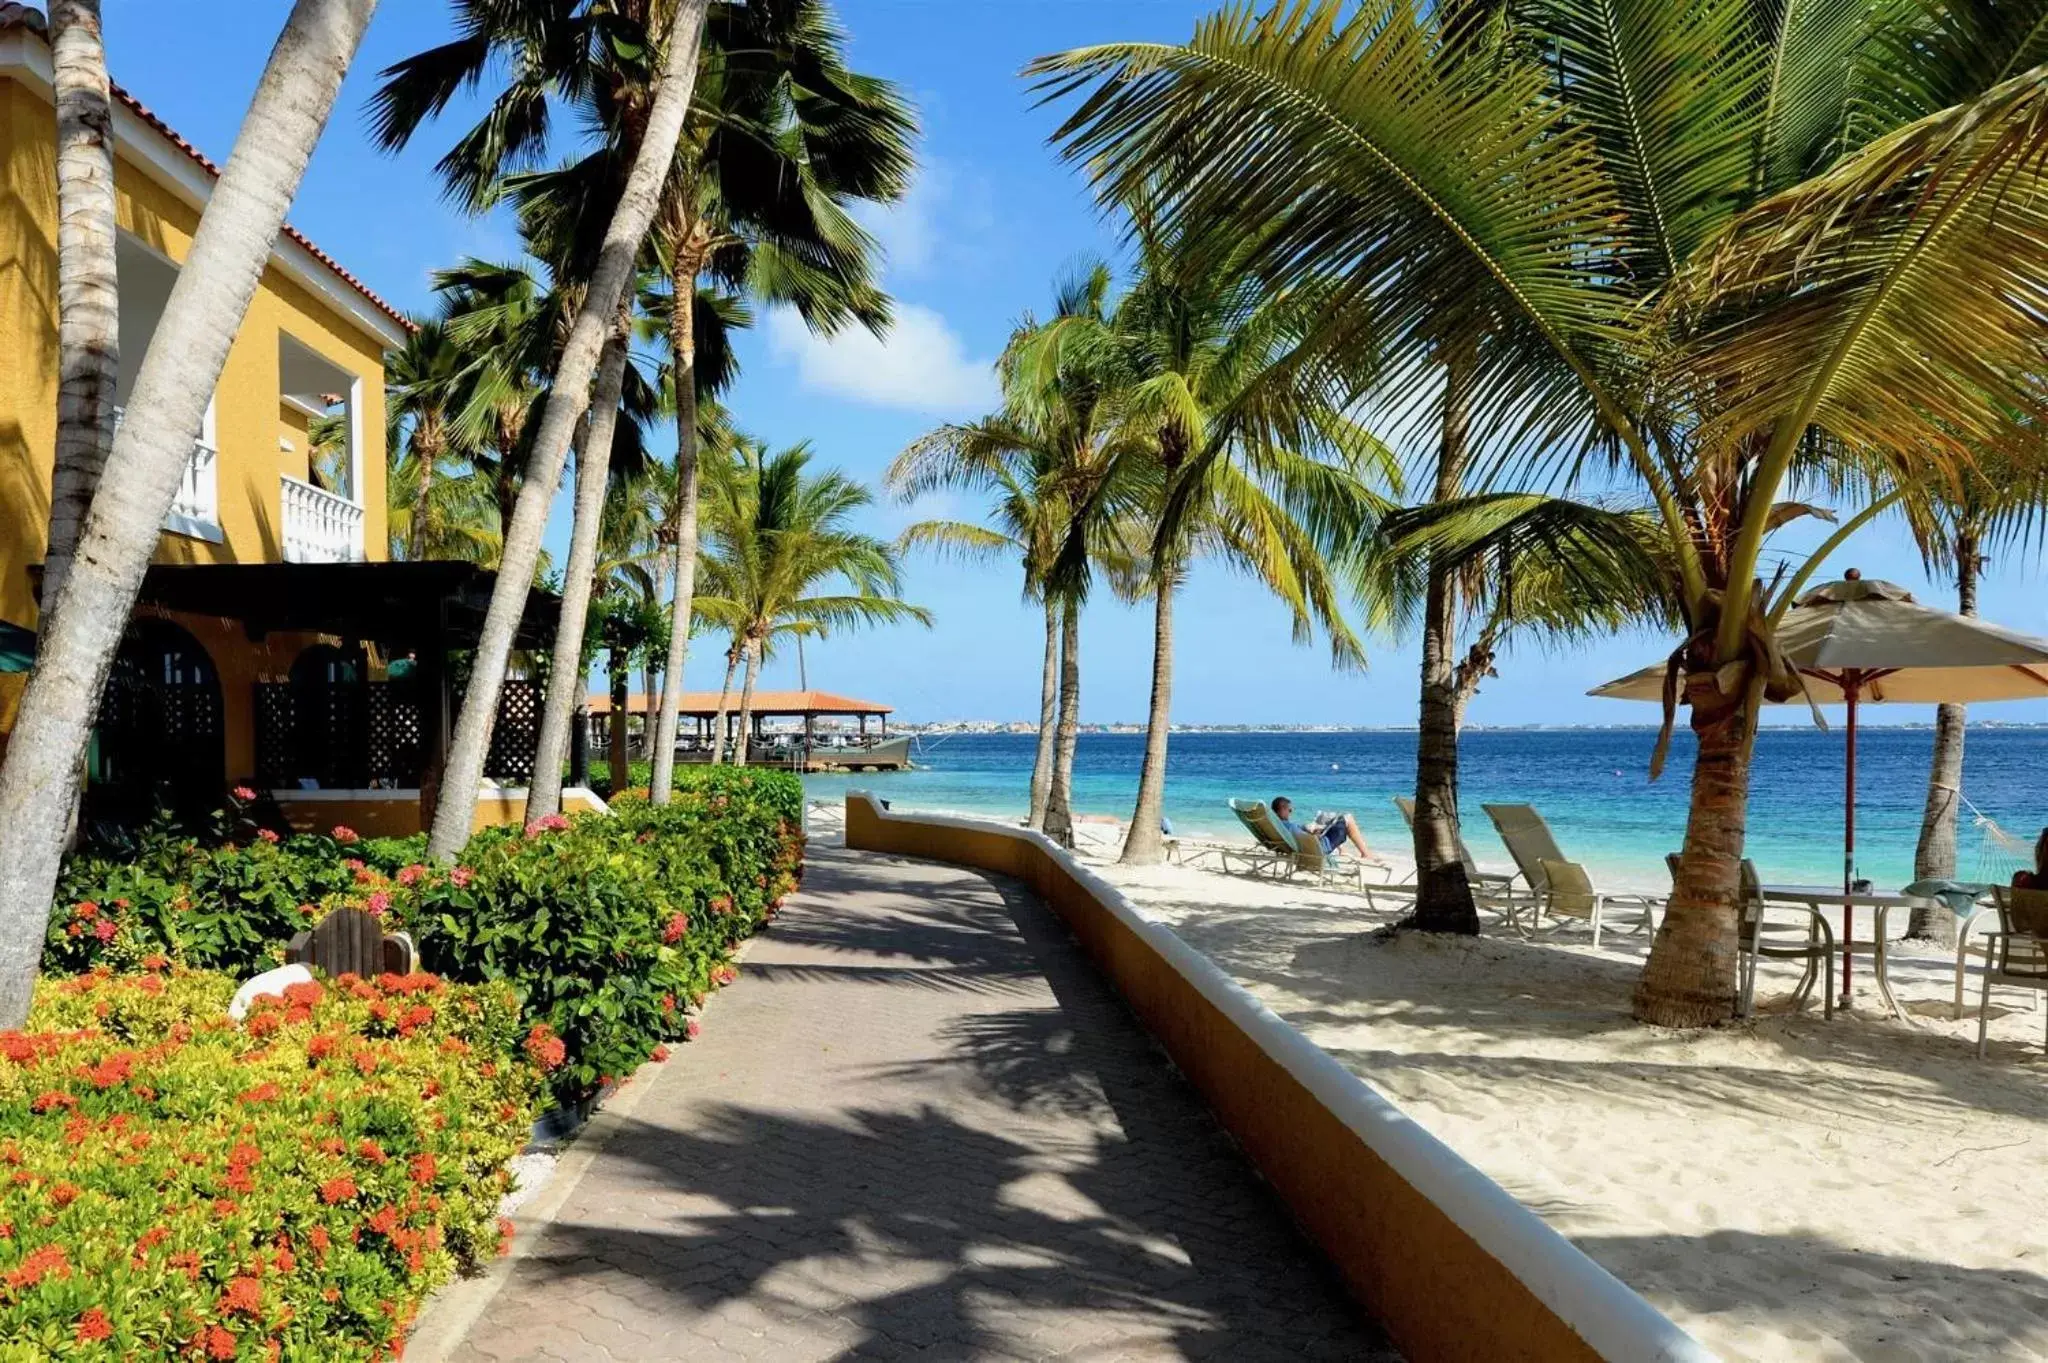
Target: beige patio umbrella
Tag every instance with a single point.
(1858, 642)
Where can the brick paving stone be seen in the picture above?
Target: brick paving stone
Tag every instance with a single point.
(919, 1126)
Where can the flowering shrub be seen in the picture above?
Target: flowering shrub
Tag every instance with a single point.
(172, 1184)
(609, 927)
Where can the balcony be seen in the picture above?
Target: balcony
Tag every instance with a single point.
(195, 510)
(319, 526)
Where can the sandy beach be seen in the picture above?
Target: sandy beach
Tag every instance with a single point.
(1784, 1188)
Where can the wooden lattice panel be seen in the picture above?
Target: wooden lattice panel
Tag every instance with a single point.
(516, 734)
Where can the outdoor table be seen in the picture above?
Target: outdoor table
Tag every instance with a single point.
(1881, 903)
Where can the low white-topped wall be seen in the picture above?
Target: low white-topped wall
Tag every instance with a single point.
(1453, 1266)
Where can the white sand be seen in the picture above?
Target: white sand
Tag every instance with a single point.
(1785, 1188)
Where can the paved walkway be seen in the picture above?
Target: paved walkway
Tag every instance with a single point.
(918, 1127)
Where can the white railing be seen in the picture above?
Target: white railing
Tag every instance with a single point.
(195, 510)
(319, 527)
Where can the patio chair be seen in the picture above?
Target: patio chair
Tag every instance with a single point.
(1568, 893)
(1530, 843)
(2019, 951)
(1801, 933)
(1493, 888)
(1297, 856)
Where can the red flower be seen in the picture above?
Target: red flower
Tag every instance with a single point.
(660, 1054)
(105, 929)
(383, 1221)
(461, 875)
(505, 1229)
(411, 875)
(85, 909)
(372, 1152)
(377, 904)
(220, 1343)
(47, 1261)
(64, 1194)
(677, 926)
(345, 835)
(366, 1062)
(188, 1261)
(244, 794)
(267, 834)
(694, 1028)
(544, 1048)
(414, 1018)
(424, 1168)
(244, 1295)
(320, 1047)
(306, 992)
(46, 1102)
(262, 1093)
(93, 1326)
(337, 1190)
(156, 962)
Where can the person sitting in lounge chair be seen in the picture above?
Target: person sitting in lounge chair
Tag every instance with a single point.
(1332, 834)
(2036, 879)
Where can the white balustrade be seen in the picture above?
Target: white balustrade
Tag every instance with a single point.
(195, 510)
(319, 527)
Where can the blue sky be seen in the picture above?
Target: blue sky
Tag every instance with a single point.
(993, 219)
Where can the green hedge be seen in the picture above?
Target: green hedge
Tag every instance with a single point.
(608, 926)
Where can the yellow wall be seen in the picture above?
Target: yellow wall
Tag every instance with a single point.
(247, 419)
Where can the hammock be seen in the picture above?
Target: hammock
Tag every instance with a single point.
(1999, 853)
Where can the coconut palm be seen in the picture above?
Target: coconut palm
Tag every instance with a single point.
(781, 138)
(88, 292)
(1064, 495)
(531, 35)
(82, 624)
(1669, 240)
(781, 535)
(1247, 456)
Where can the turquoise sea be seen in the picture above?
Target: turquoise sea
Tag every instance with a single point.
(1591, 784)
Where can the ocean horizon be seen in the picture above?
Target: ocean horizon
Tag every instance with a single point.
(1591, 784)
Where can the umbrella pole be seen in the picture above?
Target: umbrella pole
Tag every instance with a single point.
(1851, 683)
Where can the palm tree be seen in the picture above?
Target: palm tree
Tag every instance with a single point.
(402, 106)
(1997, 506)
(82, 625)
(781, 535)
(1063, 492)
(1247, 457)
(1671, 240)
(88, 291)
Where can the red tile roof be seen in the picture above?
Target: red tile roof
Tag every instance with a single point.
(20, 16)
(765, 703)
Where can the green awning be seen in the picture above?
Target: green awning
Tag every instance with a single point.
(17, 648)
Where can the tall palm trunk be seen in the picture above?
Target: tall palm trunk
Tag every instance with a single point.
(88, 293)
(1048, 708)
(739, 747)
(83, 624)
(732, 662)
(1934, 858)
(618, 764)
(1144, 845)
(682, 340)
(428, 443)
(1443, 897)
(569, 393)
(565, 673)
(1689, 980)
(1059, 803)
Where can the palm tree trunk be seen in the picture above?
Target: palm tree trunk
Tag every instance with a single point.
(1059, 803)
(83, 624)
(565, 673)
(1443, 897)
(1048, 708)
(1144, 845)
(739, 752)
(617, 763)
(732, 662)
(88, 292)
(1934, 858)
(428, 448)
(1689, 980)
(455, 810)
(682, 340)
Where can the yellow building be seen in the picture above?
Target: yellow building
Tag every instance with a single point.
(272, 644)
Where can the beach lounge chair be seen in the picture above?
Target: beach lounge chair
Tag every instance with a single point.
(1492, 887)
(1568, 894)
(2019, 950)
(1289, 858)
(1779, 932)
(1530, 843)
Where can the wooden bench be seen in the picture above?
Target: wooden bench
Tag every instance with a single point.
(352, 942)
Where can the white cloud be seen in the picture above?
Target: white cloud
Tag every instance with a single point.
(908, 229)
(920, 366)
